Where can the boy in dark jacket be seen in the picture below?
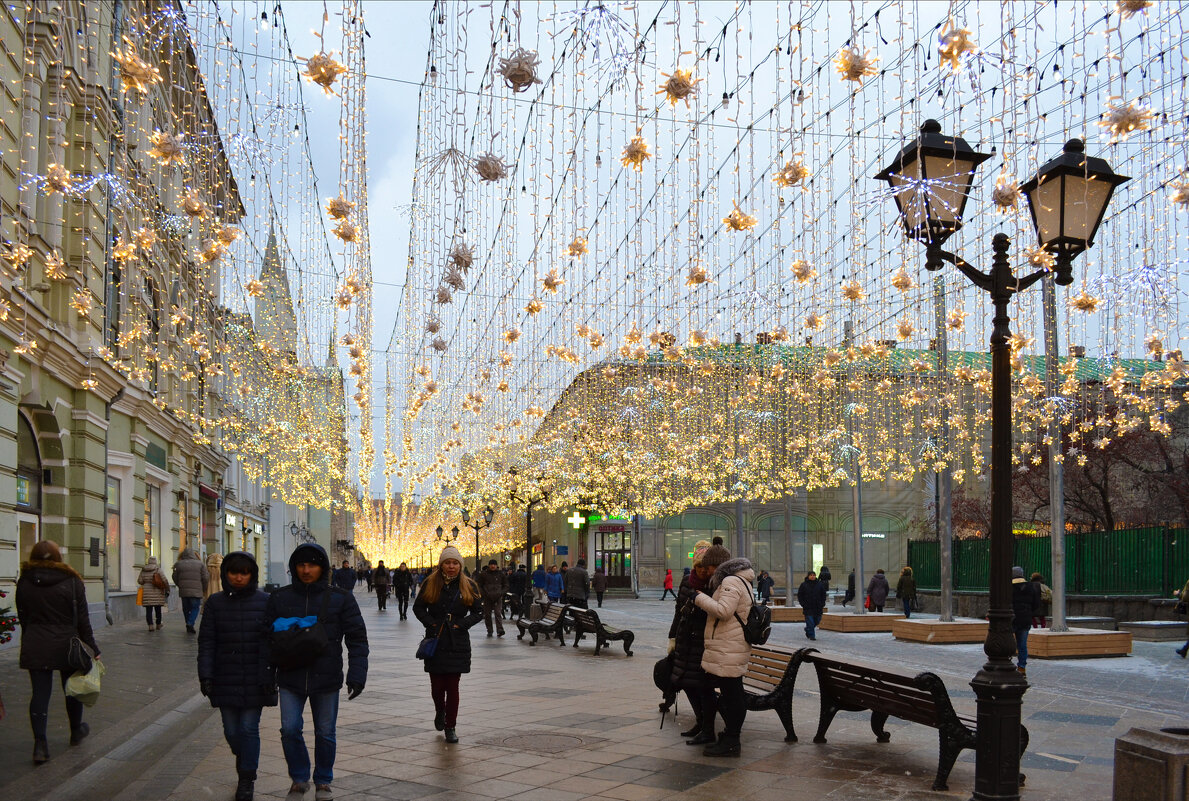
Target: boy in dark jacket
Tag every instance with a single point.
(301, 604)
(233, 670)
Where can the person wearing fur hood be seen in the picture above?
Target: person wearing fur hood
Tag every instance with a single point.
(726, 650)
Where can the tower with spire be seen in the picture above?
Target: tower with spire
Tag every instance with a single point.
(276, 321)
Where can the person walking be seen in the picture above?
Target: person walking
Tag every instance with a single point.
(1025, 604)
(310, 599)
(345, 577)
(367, 575)
(517, 588)
(191, 578)
(578, 585)
(492, 584)
(598, 583)
(214, 564)
(51, 602)
(233, 669)
(877, 590)
(850, 588)
(764, 585)
(824, 577)
(402, 586)
(1182, 604)
(154, 591)
(906, 590)
(726, 650)
(687, 642)
(668, 585)
(380, 582)
(812, 597)
(539, 579)
(1040, 620)
(448, 606)
(553, 584)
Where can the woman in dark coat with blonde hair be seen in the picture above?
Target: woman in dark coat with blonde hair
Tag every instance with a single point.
(51, 604)
(448, 603)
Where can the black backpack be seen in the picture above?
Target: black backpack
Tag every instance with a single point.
(758, 626)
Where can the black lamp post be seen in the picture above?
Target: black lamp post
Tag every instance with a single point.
(446, 537)
(479, 523)
(930, 181)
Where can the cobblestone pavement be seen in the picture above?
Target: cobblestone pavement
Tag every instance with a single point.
(547, 723)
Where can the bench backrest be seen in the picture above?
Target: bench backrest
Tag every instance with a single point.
(553, 613)
(586, 617)
(766, 669)
(876, 687)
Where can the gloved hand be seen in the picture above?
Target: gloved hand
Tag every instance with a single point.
(206, 687)
(353, 690)
(267, 689)
(672, 644)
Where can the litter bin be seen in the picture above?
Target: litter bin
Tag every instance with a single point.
(1152, 765)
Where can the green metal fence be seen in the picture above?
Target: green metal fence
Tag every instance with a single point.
(1139, 561)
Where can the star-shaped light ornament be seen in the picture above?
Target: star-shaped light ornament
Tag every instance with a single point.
(1179, 191)
(491, 168)
(210, 251)
(339, 208)
(814, 321)
(533, 307)
(853, 65)
(552, 282)
(145, 238)
(227, 234)
(955, 320)
(576, 248)
(346, 231)
(167, 148)
(635, 153)
(1005, 196)
(454, 279)
(55, 268)
(739, 220)
(136, 74)
(343, 299)
(698, 274)
(58, 179)
(1123, 119)
(1039, 258)
(679, 86)
(511, 335)
(902, 281)
(1084, 302)
(443, 296)
(461, 256)
(1129, 8)
(1154, 342)
(323, 69)
(433, 324)
(519, 70)
(193, 205)
(803, 271)
(953, 43)
(791, 174)
(905, 329)
(82, 302)
(255, 288)
(438, 345)
(852, 291)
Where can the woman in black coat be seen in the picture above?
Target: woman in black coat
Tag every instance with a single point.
(402, 585)
(233, 669)
(448, 605)
(52, 609)
(687, 634)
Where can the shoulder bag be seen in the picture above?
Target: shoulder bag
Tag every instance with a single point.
(298, 642)
(429, 645)
(80, 656)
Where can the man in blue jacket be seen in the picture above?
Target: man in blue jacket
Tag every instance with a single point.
(539, 581)
(345, 577)
(302, 603)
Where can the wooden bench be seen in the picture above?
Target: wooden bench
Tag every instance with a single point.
(551, 623)
(586, 621)
(768, 682)
(920, 698)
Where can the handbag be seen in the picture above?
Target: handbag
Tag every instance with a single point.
(79, 656)
(160, 582)
(867, 602)
(85, 686)
(140, 596)
(297, 642)
(429, 645)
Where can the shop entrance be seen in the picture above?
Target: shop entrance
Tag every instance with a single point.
(613, 553)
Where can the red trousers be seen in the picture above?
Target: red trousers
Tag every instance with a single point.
(444, 689)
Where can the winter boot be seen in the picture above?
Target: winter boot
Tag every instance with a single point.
(694, 729)
(246, 787)
(704, 736)
(451, 736)
(41, 751)
(727, 746)
(79, 734)
(1183, 650)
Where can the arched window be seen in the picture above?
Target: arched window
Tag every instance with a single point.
(768, 545)
(684, 530)
(28, 468)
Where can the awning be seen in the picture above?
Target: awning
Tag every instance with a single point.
(207, 491)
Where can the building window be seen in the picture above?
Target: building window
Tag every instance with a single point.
(152, 521)
(112, 300)
(113, 529)
(28, 488)
(682, 533)
(154, 315)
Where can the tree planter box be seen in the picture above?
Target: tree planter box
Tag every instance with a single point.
(1156, 630)
(1077, 643)
(847, 622)
(936, 632)
(788, 614)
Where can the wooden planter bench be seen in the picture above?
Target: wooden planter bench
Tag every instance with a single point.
(586, 621)
(920, 698)
(552, 622)
(768, 682)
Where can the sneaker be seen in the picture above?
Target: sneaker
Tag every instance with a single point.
(297, 791)
(451, 737)
(323, 793)
(79, 734)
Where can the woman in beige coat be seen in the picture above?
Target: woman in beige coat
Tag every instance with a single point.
(152, 598)
(726, 650)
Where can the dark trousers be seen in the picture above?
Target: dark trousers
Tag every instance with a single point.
(493, 608)
(599, 595)
(39, 703)
(578, 602)
(667, 592)
(148, 614)
(731, 702)
(444, 689)
(402, 604)
(382, 595)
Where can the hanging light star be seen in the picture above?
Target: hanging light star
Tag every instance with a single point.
(739, 220)
(1122, 120)
(635, 153)
(679, 86)
(324, 70)
(167, 148)
(136, 74)
(955, 42)
(791, 174)
(519, 70)
(853, 65)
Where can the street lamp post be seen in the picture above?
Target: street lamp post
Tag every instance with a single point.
(529, 502)
(930, 181)
(480, 522)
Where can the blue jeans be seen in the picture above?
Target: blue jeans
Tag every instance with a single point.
(907, 602)
(1022, 645)
(811, 622)
(241, 727)
(324, 707)
(190, 607)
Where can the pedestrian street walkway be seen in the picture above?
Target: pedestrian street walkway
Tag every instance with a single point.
(547, 723)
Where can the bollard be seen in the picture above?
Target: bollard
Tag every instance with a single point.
(1152, 765)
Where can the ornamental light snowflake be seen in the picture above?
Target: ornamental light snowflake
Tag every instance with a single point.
(324, 70)
(577, 247)
(55, 268)
(210, 251)
(634, 335)
(955, 320)
(814, 321)
(852, 291)
(18, 256)
(679, 86)
(803, 271)
(1084, 302)
(511, 335)
(346, 231)
(902, 281)
(255, 288)
(58, 179)
(438, 344)
(491, 168)
(552, 281)
(1154, 342)
(81, 302)
(167, 148)
(193, 205)
(519, 70)
(853, 65)
(454, 278)
(433, 324)
(953, 43)
(343, 299)
(1039, 258)
(1122, 120)
(1006, 194)
(135, 73)
(461, 256)
(145, 238)
(905, 329)
(339, 208)
(791, 174)
(698, 274)
(635, 153)
(227, 234)
(739, 220)
(533, 307)
(779, 334)
(1179, 196)
(1129, 8)
(443, 296)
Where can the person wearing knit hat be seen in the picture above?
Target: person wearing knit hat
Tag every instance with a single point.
(726, 652)
(1025, 603)
(686, 646)
(448, 605)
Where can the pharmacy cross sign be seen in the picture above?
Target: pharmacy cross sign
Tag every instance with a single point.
(576, 520)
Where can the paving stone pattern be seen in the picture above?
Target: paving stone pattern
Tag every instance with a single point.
(550, 723)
